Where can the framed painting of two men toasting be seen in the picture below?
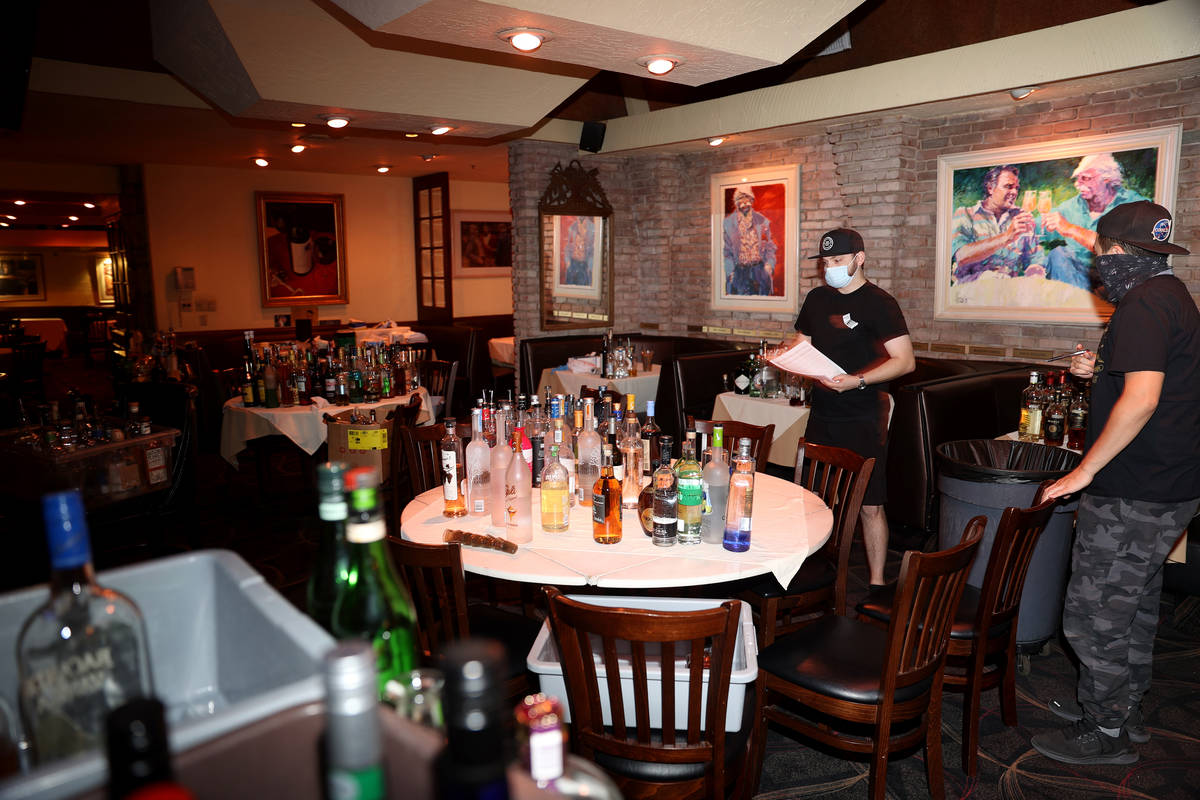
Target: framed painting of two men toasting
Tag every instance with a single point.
(1016, 225)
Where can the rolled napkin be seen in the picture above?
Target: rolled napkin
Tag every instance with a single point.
(483, 540)
(319, 402)
(587, 365)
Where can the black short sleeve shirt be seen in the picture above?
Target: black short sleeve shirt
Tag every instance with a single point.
(851, 329)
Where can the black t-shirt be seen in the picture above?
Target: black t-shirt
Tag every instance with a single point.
(1155, 328)
(851, 329)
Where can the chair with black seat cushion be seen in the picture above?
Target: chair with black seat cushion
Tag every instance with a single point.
(760, 436)
(696, 380)
(434, 576)
(438, 378)
(839, 477)
(858, 689)
(696, 758)
(983, 637)
(423, 456)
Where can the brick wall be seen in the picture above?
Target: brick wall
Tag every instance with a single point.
(875, 174)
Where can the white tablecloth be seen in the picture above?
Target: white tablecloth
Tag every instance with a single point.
(789, 421)
(304, 425)
(644, 384)
(790, 523)
(396, 335)
(51, 330)
(503, 351)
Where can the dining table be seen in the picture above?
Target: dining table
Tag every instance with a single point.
(303, 425)
(789, 524)
(51, 330)
(644, 385)
(503, 351)
(789, 421)
(391, 334)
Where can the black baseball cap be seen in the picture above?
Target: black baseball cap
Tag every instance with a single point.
(839, 241)
(1142, 223)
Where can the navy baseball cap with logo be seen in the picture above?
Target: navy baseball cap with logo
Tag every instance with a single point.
(837, 242)
(1145, 224)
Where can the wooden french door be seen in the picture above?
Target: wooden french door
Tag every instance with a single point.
(431, 227)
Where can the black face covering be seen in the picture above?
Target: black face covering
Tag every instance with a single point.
(1121, 272)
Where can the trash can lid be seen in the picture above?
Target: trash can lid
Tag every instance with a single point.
(1004, 461)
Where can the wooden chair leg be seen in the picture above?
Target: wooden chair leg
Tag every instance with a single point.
(970, 732)
(934, 770)
(877, 781)
(758, 743)
(1008, 684)
(770, 617)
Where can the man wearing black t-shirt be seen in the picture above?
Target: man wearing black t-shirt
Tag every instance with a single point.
(1140, 477)
(860, 327)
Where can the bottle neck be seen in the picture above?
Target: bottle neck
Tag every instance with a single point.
(71, 580)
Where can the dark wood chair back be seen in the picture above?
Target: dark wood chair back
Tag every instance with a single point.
(423, 456)
(434, 576)
(696, 380)
(438, 378)
(760, 436)
(593, 637)
(400, 417)
(1016, 537)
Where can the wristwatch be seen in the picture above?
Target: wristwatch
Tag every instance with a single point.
(862, 383)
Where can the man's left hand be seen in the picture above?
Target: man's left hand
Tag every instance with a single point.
(840, 383)
(1072, 482)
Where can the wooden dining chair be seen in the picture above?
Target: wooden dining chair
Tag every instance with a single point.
(423, 455)
(983, 638)
(434, 576)
(855, 688)
(691, 755)
(438, 378)
(839, 477)
(760, 437)
(401, 416)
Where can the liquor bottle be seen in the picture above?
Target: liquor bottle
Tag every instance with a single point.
(1030, 426)
(453, 471)
(1077, 415)
(354, 378)
(690, 493)
(473, 764)
(283, 377)
(666, 497)
(353, 740)
(270, 382)
(518, 495)
(606, 356)
(139, 755)
(606, 503)
(479, 468)
(561, 439)
(556, 508)
(612, 442)
(1054, 422)
(501, 455)
(740, 507)
(743, 379)
(542, 741)
(84, 651)
(249, 386)
(587, 466)
(373, 603)
(650, 434)
(715, 488)
(329, 568)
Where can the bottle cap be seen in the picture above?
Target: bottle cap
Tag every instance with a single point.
(350, 683)
(331, 478)
(66, 529)
(650, 408)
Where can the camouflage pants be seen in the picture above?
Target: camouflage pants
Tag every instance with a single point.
(1111, 612)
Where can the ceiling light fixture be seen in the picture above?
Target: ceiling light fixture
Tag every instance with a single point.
(383, 169)
(89, 205)
(73, 218)
(1022, 92)
(713, 141)
(261, 162)
(18, 202)
(410, 136)
(65, 225)
(438, 130)
(335, 120)
(3, 224)
(9, 216)
(525, 39)
(660, 64)
(299, 124)
(428, 158)
(297, 148)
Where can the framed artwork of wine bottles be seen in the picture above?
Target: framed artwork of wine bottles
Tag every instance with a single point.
(1015, 225)
(301, 249)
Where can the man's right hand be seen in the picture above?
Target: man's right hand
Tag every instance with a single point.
(1021, 224)
(1052, 220)
(1083, 365)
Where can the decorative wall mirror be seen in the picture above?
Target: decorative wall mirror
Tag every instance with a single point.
(575, 224)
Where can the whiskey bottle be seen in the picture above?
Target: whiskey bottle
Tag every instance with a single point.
(650, 433)
(1054, 423)
(453, 472)
(1077, 415)
(1030, 427)
(606, 503)
(666, 497)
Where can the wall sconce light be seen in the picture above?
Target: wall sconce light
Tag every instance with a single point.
(525, 39)
(383, 169)
(428, 158)
(297, 148)
(335, 120)
(714, 141)
(89, 205)
(660, 64)
(261, 162)
(1023, 92)
(438, 130)
(73, 218)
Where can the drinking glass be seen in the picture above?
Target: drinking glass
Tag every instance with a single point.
(647, 360)
(417, 696)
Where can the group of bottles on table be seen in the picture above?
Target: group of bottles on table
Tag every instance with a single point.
(48, 430)
(605, 459)
(1054, 409)
(287, 375)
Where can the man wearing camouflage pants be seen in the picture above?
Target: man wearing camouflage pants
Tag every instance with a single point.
(1141, 471)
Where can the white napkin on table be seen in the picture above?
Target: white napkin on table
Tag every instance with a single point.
(587, 365)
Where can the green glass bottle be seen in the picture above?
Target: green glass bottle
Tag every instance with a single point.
(329, 569)
(373, 603)
(689, 483)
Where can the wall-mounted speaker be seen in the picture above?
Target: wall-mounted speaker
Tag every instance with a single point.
(592, 137)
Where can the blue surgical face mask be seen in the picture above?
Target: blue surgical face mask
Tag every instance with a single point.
(837, 276)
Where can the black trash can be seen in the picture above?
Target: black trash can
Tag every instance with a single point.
(985, 476)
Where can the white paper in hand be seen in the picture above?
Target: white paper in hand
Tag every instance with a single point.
(804, 359)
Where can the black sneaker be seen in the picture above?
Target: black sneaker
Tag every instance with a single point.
(1134, 726)
(1083, 742)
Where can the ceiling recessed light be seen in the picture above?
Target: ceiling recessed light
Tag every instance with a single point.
(18, 202)
(438, 130)
(660, 64)
(410, 136)
(10, 216)
(1022, 92)
(524, 39)
(335, 120)
(3, 224)
(261, 162)
(297, 148)
(382, 169)
(65, 225)
(73, 218)
(89, 205)
(713, 141)
(299, 124)
(428, 157)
